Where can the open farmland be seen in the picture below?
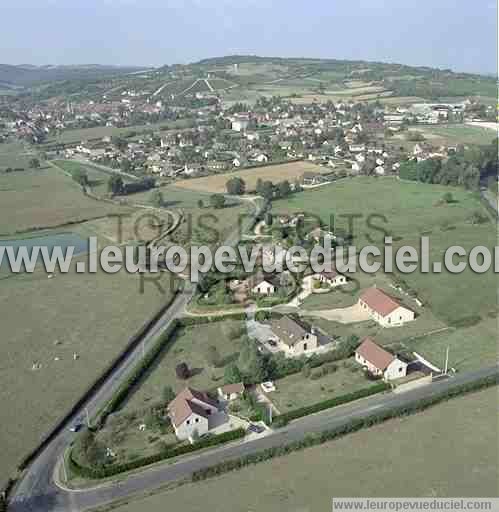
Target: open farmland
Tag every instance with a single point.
(93, 315)
(15, 155)
(446, 452)
(45, 198)
(289, 171)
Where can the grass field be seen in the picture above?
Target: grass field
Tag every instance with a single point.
(93, 315)
(290, 171)
(442, 452)
(45, 198)
(411, 210)
(297, 391)
(15, 155)
(189, 345)
(457, 134)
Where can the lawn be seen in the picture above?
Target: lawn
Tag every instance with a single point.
(457, 134)
(290, 171)
(444, 452)
(93, 315)
(44, 198)
(297, 391)
(189, 345)
(15, 155)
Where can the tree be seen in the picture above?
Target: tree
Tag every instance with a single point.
(156, 198)
(115, 184)
(34, 163)
(232, 375)
(182, 371)
(284, 188)
(448, 197)
(200, 203)
(267, 190)
(236, 186)
(96, 454)
(217, 201)
(168, 394)
(213, 356)
(269, 219)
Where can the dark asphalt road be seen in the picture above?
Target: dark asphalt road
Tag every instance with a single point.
(53, 499)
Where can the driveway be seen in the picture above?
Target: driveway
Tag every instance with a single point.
(348, 315)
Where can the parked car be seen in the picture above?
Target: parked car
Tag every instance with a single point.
(268, 386)
(76, 427)
(257, 429)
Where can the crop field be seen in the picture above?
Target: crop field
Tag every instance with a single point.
(189, 345)
(46, 321)
(45, 198)
(435, 461)
(457, 134)
(289, 171)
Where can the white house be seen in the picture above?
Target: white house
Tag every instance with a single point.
(383, 309)
(231, 391)
(294, 337)
(240, 122)
(332, 278)
(259, 284)
(380, 362)
(190, 413)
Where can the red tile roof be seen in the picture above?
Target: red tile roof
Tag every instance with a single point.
(379, 301)
(376, 355)
(183, 406)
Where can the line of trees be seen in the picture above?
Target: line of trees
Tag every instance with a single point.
(117, 186)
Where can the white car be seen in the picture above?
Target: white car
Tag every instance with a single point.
(268, 386)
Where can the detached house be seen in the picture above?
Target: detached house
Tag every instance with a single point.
(379, 361)
(295, 338)
(190, 413)
(383, 309)
(332, 278)
(231, 391)
(260, 284)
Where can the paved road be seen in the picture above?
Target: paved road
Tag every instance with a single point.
(55, 499)
(36, 491)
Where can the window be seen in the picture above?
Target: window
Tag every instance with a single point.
(305, 346)
(208, 412)
(400, 369)
(197, 420)
(188, 422)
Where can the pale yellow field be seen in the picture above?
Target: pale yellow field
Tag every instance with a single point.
(274, 173)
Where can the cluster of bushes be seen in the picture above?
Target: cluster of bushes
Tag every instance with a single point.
(324, 370)
(353, 426)
(103, 471)
(284, 419)
(199, 320)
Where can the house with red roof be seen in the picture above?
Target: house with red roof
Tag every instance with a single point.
(384, 309)
(190, 413)
(379, 361)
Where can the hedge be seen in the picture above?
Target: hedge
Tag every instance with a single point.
(107, 471)
(134, 341)
(284, 419)
(352, 426)
(120, 396)
(199, 320)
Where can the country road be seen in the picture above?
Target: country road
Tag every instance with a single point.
(36, 491)
(48, 497)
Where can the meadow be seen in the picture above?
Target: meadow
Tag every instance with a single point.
(45, 198)
(46, 321)
(426, 450)
(457, 134)
(275, 173)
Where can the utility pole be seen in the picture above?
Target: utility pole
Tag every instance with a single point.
(143, 349)
(270, 414)
(88, 417)
(446, 361)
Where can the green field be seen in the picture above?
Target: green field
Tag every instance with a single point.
(447, 451)
(189, 345)
(44, 198)
(93, 315)
(465, 300)
(457, 134)
(15, 155)
(297, 391)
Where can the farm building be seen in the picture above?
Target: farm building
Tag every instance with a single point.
(383, 309)
(379, 361)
